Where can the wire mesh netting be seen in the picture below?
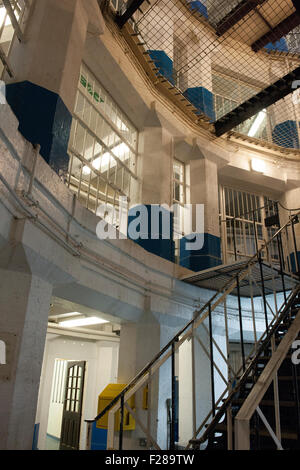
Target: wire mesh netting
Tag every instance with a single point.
(219, 56)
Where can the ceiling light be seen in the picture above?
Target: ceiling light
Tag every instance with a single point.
(258, 165)
(104, 161)
(4, 14)
(257, 123)
(85, 321)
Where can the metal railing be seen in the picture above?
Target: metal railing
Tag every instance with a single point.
(271, 284)
(269, 375)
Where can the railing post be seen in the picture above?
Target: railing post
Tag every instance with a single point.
(242, 435)
(263, 290)
(276, 396)
(295, 246)
(255, 232)
(296, 397)
(173, 399)
(149, 405)
(37, 149)
(194, 381)
(234, 239)
(241, 322)
(212, 378)
(256, 430)
(88, 441)
(281, 267)
(121, 423)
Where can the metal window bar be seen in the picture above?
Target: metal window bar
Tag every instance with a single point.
(103, 148)
(13, 17)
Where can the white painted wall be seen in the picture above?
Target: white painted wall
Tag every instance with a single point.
(202, 380)
(102, 363)
(55, 419)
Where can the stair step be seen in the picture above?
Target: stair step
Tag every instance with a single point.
(287, 378)
(287, 404)
(267, 358)
(285, 434)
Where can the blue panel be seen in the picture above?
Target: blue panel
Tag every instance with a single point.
(199, 7)
(294, 262)
(99, 438)
(203, 100)
(279, 45)
(285, 134)
(199, 260)
(43, 119)
(36, 436)
(164, 64)
(165, 248)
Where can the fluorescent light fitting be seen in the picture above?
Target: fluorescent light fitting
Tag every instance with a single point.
(258, 165)
(82, 322)
(257, 123)
(3, 14)
(102, 162)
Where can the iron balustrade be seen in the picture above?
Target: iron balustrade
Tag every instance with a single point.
(267, 280)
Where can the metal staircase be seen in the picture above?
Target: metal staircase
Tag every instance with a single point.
(275, 420)
(246, 407)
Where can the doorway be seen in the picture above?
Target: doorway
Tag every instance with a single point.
(65, 411)
(72, 412)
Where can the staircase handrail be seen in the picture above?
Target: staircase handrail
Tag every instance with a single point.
(253, 260)
(286, 307)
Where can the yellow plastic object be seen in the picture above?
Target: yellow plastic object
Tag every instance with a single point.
(104, 399)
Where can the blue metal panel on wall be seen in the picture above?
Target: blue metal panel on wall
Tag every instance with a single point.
(43, 119)
(199, 6)
(164, 64)
(99, 438)
(294, 262)
(203, 100)
(161, 246)
(286, 135)
(279, 45)
(198, 260)
(36, 436)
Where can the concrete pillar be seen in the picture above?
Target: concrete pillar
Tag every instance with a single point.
(46, 72)
(24, 305)
(290, 200)
(201, 91)
(139, 343)
(155, 173)
(203, 190)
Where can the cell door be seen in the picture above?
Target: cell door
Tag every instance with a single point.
(71, 421)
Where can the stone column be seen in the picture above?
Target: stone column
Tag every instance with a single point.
(46, 72)
(290, 200)
(203, 190)
(200, 91)
(155, 173)
(139, 344)
(24, 306)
